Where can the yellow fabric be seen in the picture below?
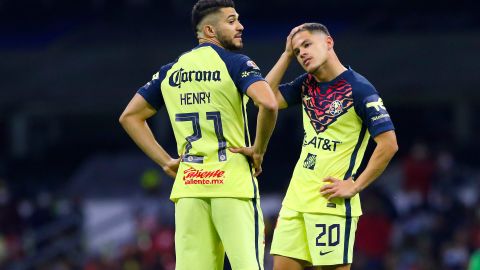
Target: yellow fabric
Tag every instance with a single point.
(318, 239)
(328, 153)
(206, 228)
(206, 107)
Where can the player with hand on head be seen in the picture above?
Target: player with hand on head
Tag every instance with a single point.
(341, 112)
(205, 91)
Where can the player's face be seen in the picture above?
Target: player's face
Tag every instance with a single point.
(311, 49)
(229, 29)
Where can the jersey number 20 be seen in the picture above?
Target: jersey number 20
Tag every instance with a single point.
(333, 234)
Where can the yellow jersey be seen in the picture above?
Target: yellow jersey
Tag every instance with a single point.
(204, 93)
(339, 117)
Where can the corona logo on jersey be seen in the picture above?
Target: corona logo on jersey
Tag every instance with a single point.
(192, 176)
(180, 76)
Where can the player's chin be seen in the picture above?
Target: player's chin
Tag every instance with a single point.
(309, 68)
(306, 68)
(238, 43)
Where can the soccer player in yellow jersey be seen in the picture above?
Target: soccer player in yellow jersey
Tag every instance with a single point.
(215, 192)
(341, 111)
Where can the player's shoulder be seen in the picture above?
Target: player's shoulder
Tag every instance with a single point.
(162, 71)
(167, 67)
(230, 57)
(304, 78)
(361, 86)
(357, 80)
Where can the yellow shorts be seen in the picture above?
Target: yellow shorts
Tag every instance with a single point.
(207, 228)
(318, 239)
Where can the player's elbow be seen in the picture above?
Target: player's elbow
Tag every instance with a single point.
(391, 148)
(270, 105)
(121, 119)
(395, 148)
(124, 119)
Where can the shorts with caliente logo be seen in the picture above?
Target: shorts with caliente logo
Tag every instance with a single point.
(318, 239)
(207, 228)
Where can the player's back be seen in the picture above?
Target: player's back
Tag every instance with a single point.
(204, 92)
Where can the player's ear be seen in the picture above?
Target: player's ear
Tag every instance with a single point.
(330, 42)
(209, 31)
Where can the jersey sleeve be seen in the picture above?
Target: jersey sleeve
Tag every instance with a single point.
(243, 71)
(292, 91)
(151, 91)
(369, 106)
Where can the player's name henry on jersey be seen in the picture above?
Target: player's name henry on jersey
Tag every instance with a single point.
(321, 143)
(180, 76)
(194, 98)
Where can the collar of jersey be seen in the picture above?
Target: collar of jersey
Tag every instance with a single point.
(209, 44)
(340, 76)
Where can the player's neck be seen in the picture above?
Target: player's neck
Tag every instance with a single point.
(329, 70)
(210, 40)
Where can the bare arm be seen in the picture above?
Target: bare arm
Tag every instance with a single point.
(383, 153)
(263, 97)
(133, 120)
(274, 77)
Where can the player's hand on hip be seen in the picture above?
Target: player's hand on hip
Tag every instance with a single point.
(338, 188)
(171, 167)
(255, 158)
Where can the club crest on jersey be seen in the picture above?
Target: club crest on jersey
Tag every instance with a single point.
(323, 107)
(252, 64)
(336, 108)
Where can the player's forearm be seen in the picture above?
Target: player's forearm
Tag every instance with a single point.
(143, 137)
(266, 119)
(379, 160)
(274, 77)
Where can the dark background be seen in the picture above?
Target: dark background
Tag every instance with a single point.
(68, 68)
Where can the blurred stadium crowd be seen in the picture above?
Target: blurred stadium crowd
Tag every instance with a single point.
(422, 214)
(75, 193)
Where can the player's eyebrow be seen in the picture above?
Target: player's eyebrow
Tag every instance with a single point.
(296, 50)
(235, 16)
(303, 42)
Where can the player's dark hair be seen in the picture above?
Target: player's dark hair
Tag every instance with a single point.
(206, 7)
(314, 27)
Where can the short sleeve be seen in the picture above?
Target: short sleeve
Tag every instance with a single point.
(151, 91)
(369, 106)
(243, 71)
(292, 91)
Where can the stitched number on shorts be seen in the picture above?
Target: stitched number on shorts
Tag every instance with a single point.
(197, 134)
(322, 233)
(333, 234)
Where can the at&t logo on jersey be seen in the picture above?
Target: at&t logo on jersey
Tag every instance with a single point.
(320, 143)
(310, 161)
(180, 76)
(193, 176)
